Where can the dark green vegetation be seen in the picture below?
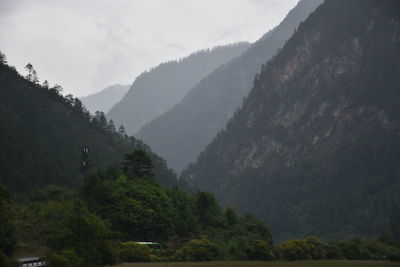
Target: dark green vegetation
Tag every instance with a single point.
(42, 134)
(7, 229)
(185, 130)
(155, 91)
(105, 99)
(91, 226)
(315, 148)
(266, 264)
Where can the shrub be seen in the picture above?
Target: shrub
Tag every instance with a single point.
(198, 250)
(259, 250)
(292, 250)
(333, 252)
(135, 253)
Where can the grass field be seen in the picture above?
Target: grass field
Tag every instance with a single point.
(266, 264)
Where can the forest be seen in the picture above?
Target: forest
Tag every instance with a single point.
(297, 139)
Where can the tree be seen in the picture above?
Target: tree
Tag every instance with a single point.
(207, 209)
(69, 98)
(7, 231)
(3, 59)
(29, 69)
(259, 250)
(198, 250)
(35, 78)
(111, 126)
(57, 89)
(138, 164)
(121, 130)
(46, 84)
(77, 236)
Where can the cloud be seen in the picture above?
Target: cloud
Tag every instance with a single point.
(90, 44)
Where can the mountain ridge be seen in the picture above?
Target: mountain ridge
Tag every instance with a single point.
(183, 132)
(314, 148)
(104, 99)
(155, 91)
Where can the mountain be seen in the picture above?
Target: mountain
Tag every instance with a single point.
(42, 135)
(105, 99)
(184, 131)
(315, 148)
(157, 90)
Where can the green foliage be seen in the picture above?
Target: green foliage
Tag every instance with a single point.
(198, 250)
(206, 209)
(42, 133)
(353, 249)
(7, 229)
(76, 235)
(138, 208)
(259, 250)
(135, 253)
(138, 164)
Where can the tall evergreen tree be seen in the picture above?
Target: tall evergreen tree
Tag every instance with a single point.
(138, 164)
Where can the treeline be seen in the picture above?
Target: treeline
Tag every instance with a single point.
(89, 226)
(96, 225)
(42, 134)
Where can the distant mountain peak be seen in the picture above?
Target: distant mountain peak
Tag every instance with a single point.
(157, 90)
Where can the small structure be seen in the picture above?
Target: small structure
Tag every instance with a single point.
(32, 261)
(151, 245)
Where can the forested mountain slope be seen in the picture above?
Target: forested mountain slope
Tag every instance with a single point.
(42, 134)
(105, 99)
(159, 89)
(315, 148)
(184, 131)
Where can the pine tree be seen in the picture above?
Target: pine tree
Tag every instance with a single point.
(121, 130)
(3, 59)
(111, 126)
(29, 69)
(138, 164)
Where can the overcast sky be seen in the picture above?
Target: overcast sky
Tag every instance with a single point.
(86, 45)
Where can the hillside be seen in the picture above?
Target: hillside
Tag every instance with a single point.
(42, 134)
(314, 150)
(155, 91)
(184, 131)
(105, 99)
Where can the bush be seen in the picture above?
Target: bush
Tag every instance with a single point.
(67, 258)
(6, 261)
(259, 250)
(198, 250)
(333, 252)
(291, 250)
(135, 253)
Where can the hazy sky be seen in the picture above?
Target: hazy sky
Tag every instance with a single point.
(86, 45)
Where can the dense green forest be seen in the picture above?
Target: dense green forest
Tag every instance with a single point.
(314, 150)
(96, 225)
(310, 161)
(42, 134)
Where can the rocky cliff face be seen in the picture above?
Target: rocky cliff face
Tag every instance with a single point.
(185, 130)
(314, 150)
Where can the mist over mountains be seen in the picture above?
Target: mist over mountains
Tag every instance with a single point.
(183, 132)
(105, 99)
(287, 149)
(155, 91)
